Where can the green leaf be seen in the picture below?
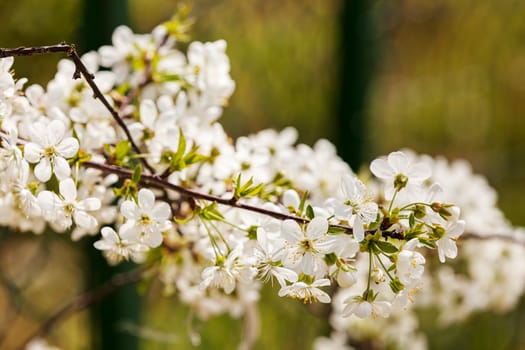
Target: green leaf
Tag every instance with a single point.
(303, 201)
(427, 243)
(181, 147)
(411, 220)
(330, 259)
(386, 247)
(246, 190)
(252, 232)
(310, 212)
(254, 191)
(211, 213)
(335, 230)
(121, 150)
(396, 285)
(137, 173)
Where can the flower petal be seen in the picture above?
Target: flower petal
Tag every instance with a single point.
(68, 147)
(291, 231)
(109, 234)
(130, 210)
(381, 169)
(68, 190)
(399, 162)
(318, 227)
(84, 220)
(419, 172)
(148, 113)
(62, 169)
(89, 204)
(55, 132)
(161, 212)
(146, 199)
(153, 239)
(32, 152)
(43, 170)
(359, 231)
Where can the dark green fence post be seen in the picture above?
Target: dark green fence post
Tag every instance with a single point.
(100, 18)
(356, 67)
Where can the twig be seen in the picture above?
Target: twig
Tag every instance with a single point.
(158, 182)
(80, 70)
(85, 300)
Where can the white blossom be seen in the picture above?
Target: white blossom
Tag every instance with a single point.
(50, 149)
(307, 292)
(146, 220)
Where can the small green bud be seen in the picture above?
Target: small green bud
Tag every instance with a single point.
(396, 285)
(330, 259)
(420, 211)
(437, 232)
(400, 181)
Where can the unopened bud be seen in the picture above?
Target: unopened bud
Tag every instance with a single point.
(378, 275)
(400, 181)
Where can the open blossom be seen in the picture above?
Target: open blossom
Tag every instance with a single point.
(65, 208)
(268, 255)
(307, 292)
(50, 149)
(357, 207)
(398, 172)
(226, 273)
(116, 249)
(361, 308)
(446, 245)
(20, 187)
(410, 263)
(145, 220)
(306, 248)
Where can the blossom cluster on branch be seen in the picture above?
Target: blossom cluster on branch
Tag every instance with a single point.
(153, 172)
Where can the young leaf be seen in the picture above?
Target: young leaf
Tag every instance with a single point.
(386, 247)
(310, 212)
(137, 174)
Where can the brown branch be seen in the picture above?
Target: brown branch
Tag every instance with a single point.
(85, 300)
(160, 183)
(81, 70)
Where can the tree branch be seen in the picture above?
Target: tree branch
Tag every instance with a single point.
(85, 300)
(160, 183)
(81, 70)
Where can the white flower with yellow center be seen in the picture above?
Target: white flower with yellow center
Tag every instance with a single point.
(50, 149)
(146, 220)
(63, 209)
(306, 292)
(306, 247)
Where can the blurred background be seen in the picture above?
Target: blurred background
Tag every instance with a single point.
(440, 77)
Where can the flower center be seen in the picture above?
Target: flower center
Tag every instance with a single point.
(49, 152)
(145, 219)
(307, 245)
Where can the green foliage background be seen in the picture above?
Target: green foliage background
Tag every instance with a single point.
(448, 80)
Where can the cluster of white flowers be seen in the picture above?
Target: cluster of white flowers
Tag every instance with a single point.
(217, 218)
(489, 273)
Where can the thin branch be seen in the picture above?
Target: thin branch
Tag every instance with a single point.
(158, 182)
(81, 70)
(85, 300)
